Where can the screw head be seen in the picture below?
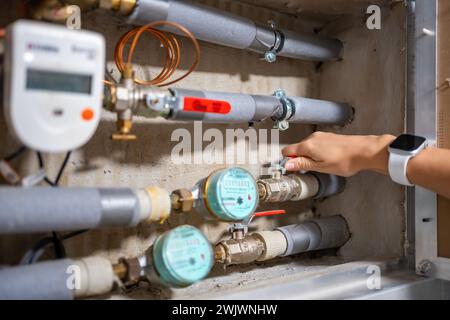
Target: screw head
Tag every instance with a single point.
(280, 93)
(424, 266)
(282, 125)
(270, 56)
(272, 24)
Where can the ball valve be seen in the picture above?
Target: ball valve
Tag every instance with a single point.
(316, 234)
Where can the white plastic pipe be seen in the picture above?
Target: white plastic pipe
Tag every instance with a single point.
(57, 280)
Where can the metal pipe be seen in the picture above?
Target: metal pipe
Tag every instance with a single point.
(223, 28)
(28, 210)
(57, 280)
(219, 107)
(254, 108)
(295, 187)
(316, 234)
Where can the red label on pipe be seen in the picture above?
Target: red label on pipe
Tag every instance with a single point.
(206, 105)
(269, 213)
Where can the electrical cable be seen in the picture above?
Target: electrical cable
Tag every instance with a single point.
(168, 41)
(61, 170)
(35, 253)
(58, 246)
(15, 154)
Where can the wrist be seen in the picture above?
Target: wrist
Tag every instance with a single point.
(417, 168)
(376, 156)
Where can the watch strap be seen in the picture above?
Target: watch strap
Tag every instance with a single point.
(397, 168)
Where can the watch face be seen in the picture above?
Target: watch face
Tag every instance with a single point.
(407, 142)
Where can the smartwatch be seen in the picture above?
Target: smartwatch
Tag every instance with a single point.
(401, 151)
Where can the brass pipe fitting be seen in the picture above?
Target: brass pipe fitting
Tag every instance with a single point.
(239, 251)
(125, 7)
(128, 99)
(292, 187)
(50, 10)
(120, 270)
(128, 271)
(259, 246)
(182, 200)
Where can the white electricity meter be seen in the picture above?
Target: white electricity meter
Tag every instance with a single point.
(53, 85)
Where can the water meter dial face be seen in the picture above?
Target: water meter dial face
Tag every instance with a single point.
(231, 194)
(183, 256)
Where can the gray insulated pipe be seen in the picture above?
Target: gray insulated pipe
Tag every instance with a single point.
(316, 234)
(255, 108)
(29, 210)
(57, 280)
(216, 26)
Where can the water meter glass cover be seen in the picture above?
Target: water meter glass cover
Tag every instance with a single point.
(183, 256)
(232, 194)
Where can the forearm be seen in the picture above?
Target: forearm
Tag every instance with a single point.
(346, 155)
(431, 169)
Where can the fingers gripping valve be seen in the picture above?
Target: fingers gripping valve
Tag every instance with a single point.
(297, 186)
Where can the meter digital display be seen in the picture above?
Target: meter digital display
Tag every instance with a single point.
(53, 85)
(230, 194)
(182, 256)
(58, 81)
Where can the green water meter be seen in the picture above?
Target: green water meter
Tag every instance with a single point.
(227, 195)
(182, 256)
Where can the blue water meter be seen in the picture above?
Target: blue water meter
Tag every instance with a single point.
(182, 256)
(228, 195)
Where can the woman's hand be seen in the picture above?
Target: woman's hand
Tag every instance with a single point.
(339, 154)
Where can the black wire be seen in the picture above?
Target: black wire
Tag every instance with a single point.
(60, 172)
(60, 250)
(63, 166)
(15, 154)
(73, 234)
(42, 166)
(34, 254)
(38, 249)
(58, 246)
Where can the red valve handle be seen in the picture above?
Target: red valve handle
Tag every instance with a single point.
(269, 213)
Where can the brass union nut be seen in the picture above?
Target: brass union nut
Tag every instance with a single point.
(182, 200)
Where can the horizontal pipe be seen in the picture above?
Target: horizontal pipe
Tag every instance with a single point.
(29, 210)
(321, 112)
(316, 234)
(223, 28)
(295, 187)
(255, 108)
(329, 184)
(57, 280)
